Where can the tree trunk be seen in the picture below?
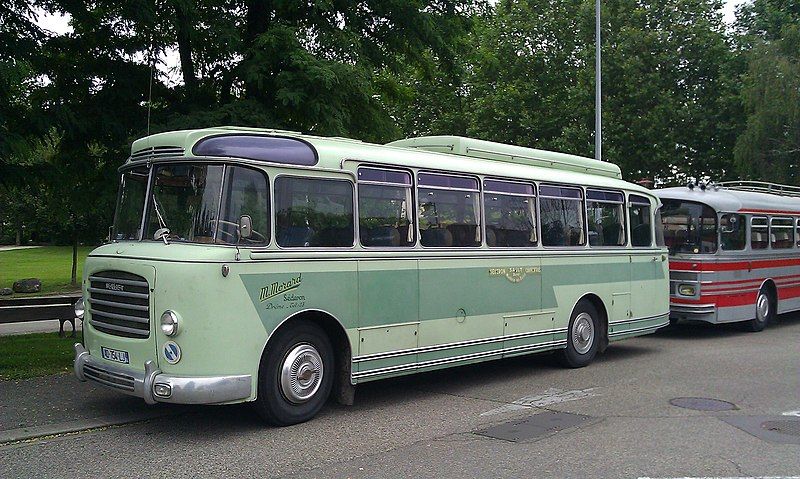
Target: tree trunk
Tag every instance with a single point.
(75, 258)
(257, 21)
(18, 241)
(183, 27)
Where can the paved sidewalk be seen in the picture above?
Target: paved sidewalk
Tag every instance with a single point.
(37, 327)
(12, 248)
(60, 404)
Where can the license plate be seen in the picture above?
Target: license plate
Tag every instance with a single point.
(115, 355)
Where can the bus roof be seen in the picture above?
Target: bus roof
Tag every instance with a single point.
(503, 161)
(724, 199)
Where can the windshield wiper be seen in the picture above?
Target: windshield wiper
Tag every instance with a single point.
(162, 232)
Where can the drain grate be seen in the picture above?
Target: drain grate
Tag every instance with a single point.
(703, 404)
(536, 426)
(788, 427)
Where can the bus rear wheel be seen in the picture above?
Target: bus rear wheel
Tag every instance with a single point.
(296, 375)
(583, 336)
(765, 311)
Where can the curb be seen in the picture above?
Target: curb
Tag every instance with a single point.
(33, 432)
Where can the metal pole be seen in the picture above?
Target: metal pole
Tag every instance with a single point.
(598, 130)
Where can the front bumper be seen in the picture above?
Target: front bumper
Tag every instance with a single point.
(143, 384)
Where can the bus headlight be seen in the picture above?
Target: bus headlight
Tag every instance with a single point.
(169, 323)
(80, 309)
(686, 290)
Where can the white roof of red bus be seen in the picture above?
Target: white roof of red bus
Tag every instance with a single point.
(731, 200)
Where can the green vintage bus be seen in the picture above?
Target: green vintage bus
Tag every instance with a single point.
(281, 268)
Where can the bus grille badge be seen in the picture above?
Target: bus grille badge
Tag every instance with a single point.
(172, 352)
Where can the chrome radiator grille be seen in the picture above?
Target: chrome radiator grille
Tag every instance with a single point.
(119, 303)
(109, 378)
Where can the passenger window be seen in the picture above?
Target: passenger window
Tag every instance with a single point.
(782, 236)
(797, 231)
(313, 212)
(641, 229)
(759, 232)
(605, 218)
(733, 232)
(385, 208)
(449, 211)
(510, 210)
(561, 210)
(245, 192)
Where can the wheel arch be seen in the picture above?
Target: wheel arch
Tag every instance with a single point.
(335, 330)
(770, 286)
(599, 305)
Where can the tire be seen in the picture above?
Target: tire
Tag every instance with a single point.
(765, 311)
(583, 336)
(290, 389)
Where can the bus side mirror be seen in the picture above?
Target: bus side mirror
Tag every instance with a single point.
(729, 224)
(245, 226)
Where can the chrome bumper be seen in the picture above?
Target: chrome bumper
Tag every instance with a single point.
(172, 389)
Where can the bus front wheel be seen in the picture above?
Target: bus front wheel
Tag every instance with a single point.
(583, 336)
(765, 311)
(296, 375)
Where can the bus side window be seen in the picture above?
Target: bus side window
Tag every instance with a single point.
(510, 210)
(449, 210)
(641, 228)
(313, 212)
(782, 233)
(759, 232)
(797, 231)
(385, 210)
(733, 232)
(605, 215)
(561, 210)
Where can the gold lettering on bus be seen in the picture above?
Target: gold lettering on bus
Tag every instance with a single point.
(515, 274)
(278, 287)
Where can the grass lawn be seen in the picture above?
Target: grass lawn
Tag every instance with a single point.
(31, 355)
(51, 264)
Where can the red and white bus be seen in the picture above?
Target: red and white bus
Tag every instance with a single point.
(734, 251)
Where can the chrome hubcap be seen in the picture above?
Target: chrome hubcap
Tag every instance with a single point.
(301, 373)
(583, 333)
(762, 307)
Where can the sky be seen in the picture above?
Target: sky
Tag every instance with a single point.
(59, 24)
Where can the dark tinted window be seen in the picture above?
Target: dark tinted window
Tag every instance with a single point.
(313, 212)
(733, 231)
(605, 218)
(510, 210)
(245, 192)
(385, 208)
(449, 215)
(639, 220)
(689, 227)
(254, 147)
(561, 211)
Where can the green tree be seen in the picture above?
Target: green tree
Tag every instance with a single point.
(769, 147)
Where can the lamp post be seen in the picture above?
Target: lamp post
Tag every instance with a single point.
(598, 140)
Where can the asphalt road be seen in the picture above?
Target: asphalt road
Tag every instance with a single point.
(434, 425)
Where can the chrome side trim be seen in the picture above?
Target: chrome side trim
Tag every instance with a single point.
(463, 357)
(459, 344)
(644, 330)
(635, 320)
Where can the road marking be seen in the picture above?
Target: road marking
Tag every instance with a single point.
(547, 398)
(792, 413)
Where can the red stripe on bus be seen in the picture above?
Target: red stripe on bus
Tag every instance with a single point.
(727, 301)
(783, 212)
(733, 266)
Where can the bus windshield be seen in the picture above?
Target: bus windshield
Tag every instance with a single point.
(689, 227)
(197, 203)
